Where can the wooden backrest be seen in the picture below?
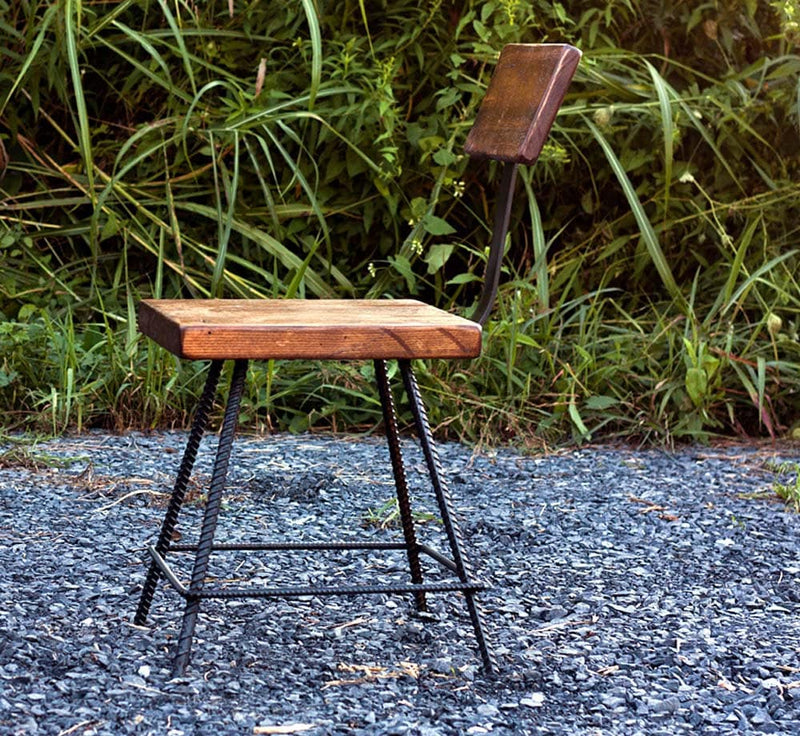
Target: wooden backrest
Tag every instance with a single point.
(524, 94)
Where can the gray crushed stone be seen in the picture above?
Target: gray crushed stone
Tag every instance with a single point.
(635, 592)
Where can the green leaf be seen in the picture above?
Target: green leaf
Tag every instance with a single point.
(419, 206)
(696, 385)
(110, 227)
(463, 278)
(402, 265)
(436, 225)
(600, 402)
(6, 379)
(444, 157)
(711, 366)
(437, 256)
(539, 244)
(575, 416)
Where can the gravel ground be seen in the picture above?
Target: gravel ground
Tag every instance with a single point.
(635, 592)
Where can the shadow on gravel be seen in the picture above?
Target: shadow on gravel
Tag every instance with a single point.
(635, 592)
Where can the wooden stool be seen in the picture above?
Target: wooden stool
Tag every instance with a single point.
(515, 117)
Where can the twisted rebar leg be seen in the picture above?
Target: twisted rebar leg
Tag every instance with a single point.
(210, 518)
(445, 507)
(179, 490)
(403, 503)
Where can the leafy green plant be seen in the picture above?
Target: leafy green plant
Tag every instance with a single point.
(387, 516)
(22, 452)
(787, 487)
(309, 149)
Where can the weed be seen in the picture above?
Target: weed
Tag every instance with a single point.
(787, 485)
(387, 516)
(22, 456)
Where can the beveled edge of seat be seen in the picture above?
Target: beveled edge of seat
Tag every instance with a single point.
(391, 332)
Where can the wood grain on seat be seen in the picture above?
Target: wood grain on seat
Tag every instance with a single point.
(225, 329)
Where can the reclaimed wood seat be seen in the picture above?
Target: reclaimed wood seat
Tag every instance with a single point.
(319, 329)
(514, 119)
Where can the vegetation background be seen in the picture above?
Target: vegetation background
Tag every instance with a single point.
(313, 148)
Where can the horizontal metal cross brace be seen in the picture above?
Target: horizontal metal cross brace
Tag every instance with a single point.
(258, 546)
(312, 590)
(312, 546)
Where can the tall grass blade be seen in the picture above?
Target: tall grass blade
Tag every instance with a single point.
(33, 54)
(185, 57)
(229, 185)
(72, 12)
(756, 276)
(664, 93)
(309, 7)
(539, 247)
(142, 42)
(723, 300)
(365, 21)
(645, 227)
(288, 260)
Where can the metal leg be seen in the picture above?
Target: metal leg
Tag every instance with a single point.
(210, 518)
(404, 505)
(445, 507)
(179, 490)
(195, 591)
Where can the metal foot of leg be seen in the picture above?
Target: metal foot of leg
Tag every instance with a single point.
(445, 508)
(401, 485)
(199, 425)
(209, 526)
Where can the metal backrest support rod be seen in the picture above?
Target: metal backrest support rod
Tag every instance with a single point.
(491, 278)
(514, 119)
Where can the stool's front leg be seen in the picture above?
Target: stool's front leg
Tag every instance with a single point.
(446, 509)
(179, 490)
(400, 482)
(209, 527)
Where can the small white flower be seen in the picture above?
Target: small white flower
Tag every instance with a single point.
(603, 115)
(774, 324)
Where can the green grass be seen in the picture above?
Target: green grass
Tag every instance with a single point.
(787, 484)
(23, 452)
(171, 149)
(387, 516)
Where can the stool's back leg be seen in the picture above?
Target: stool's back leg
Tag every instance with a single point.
(445, 507)
(199, 425)
(209, 526)
(400, 482)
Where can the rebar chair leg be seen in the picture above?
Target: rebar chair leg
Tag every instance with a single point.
(209, 526)
(445, 503)
(199, 425)
(400, 482)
